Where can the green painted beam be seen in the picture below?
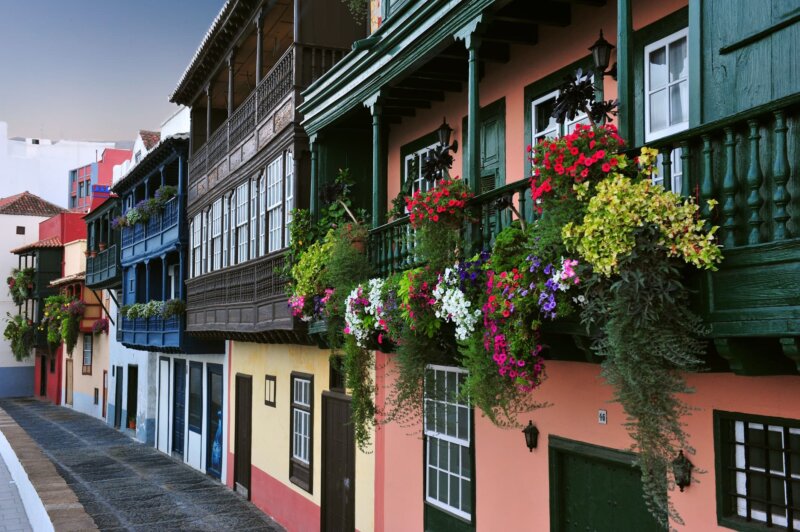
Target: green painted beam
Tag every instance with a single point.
(625, 68)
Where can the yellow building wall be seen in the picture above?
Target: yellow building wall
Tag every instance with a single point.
(74, 259)
(271, 425)
(83, 385)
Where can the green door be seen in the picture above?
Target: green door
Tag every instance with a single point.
(595, 489)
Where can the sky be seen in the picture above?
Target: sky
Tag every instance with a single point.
(95, 69)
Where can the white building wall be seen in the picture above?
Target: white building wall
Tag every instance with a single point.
(16, 378)
(43, 168)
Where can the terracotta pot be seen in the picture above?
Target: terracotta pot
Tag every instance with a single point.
(93, 254)
(102, 246)
(359, 244)
(86, 253)
(132, 424)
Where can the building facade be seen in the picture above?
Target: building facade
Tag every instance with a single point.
(249, 167)
(20, 216)
(686, 82)
(82, 180)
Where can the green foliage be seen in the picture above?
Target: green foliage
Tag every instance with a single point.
(308, 270)
(650, 339)
(20, 333)
(358, 365)
(153, 309)
(358, 8)
(20, 285)
(337, 205)
(62, 319)
(511, 246)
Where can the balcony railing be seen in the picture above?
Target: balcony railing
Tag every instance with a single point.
(159, 230)
(103, 267)
(392, 245)
(258, 280)
(150, 332)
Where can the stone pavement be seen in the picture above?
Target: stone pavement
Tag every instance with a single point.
(125, 485)
(12, 513)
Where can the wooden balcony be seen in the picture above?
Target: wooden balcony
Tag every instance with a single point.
(103, 271)
(261, 117)
(159, 233)
(163, 336)
(244, 302)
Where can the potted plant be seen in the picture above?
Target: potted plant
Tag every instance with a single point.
(132, 422)
(101, 246)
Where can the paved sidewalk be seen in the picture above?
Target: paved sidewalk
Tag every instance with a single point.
(12, 513)
(125, 485)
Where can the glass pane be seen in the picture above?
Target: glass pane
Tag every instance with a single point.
(433, 452)
(466, 463)
(678, 60)
(443, 487)
(455, 492)
(430, 420)
(466, 496)
(430, 380)
(444, 454)
(795, 494)
(432, 478)
(452, 417)
(658, 110)
(678, 103)
(451, 386)
(777, 494)
(455, 456)
(544, 121)
(440, 418)
(463, 423)
(658, 68)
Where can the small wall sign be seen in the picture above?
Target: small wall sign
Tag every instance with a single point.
(602, 417)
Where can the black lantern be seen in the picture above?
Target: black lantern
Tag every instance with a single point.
(531, 436)
(601, 55)
(444, 132)
(682, 469)
(439, 160)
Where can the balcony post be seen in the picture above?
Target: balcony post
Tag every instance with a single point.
(259, 45)
(164, 277)
(378, 166)
(147, 280)
(161, 171)
(230, 82)
(624, 68)
(208, 114)
(312, 205)
(470, 34)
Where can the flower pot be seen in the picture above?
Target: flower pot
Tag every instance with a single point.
(86, 253)
(359, 244)
(132, 424)
(102, 246)
(93, 254)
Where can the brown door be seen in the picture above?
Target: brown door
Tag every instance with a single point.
(338, 464)
(105, 391)
(244, 431)
(68, 394)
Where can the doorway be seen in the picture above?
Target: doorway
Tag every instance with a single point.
(178, 407)
(43, 376)
(105, 393)
(244, 431)
(133, 396)
(338, 463)
(118, 378)
(68, 392)
(163, 405)
(595, 488)
(194, 440)
(214, 421)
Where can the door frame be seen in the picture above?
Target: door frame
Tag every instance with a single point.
(119, 375)
(161, 398)
(176, 362)
(69, 383)
(333, 396)
(213, 369)
(560, 446)
(236, 442)
(105, 393)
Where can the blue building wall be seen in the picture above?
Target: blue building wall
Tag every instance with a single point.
(16, 381)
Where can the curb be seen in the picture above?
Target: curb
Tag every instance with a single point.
(48, 500)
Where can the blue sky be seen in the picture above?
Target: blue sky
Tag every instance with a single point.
(94, 69)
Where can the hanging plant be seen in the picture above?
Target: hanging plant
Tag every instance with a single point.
(20, 332)
(145, 209)
(62, 318)
(20, 285)
(154, 309)
(100, 326)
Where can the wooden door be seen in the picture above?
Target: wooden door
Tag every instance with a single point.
(214, 419)
(69, 377)
(244, 434)
(596, 489)
(43, 376)
(118, 377)
(178, 407)
(338, 464)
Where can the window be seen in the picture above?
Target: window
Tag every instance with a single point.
(232, 249)
(666, 85)
(20, 229)
(138, 157)
(289, 194)
(225, 229)
(759, 471)
(270, 390)
(302, 425)
(196, 396)
(196, 245)
(543, 125)
(274, 204)
(204, 221)
(87, 354)
(412, 167)
(216, 234)
(253, 218)
(448, 442)
(262, 215)
(241, 222)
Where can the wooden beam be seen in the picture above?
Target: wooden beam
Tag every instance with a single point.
(508, 31)
(399, 111)
(545, 12)
(414, 82)
(416, 94)
(418, 103)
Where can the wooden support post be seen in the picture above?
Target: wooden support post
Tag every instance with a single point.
(706, 181)
(259, 21)
(625, 69)
(729, 190)
(313, 202)
(378, 163)
(754, 180)
(230, 82)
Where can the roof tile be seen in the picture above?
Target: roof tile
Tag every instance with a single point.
(27, 204)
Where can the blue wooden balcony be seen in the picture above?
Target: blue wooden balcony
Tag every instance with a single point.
(103, 270)
(163, 335)
(161, 232)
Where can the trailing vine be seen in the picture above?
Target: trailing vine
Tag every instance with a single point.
(62, 318)
(20, 332)
(20, 285)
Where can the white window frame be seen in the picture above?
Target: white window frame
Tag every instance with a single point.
(87, 341)
(275, 204)
(241, 222)
(288, 201)
(418, 183)
(262, 214)
(253, 218)
(433, 438)
(676, 170)
(196, 229)
(550, 132)
(226, 226)
(204, 237)
(216, 234)
(664, 43)
(302, 430)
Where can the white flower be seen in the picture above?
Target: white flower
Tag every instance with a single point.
(452, 304)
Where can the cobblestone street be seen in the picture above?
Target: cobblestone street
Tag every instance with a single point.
(124, 485)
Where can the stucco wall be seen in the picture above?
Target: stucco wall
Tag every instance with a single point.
(271, 488)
